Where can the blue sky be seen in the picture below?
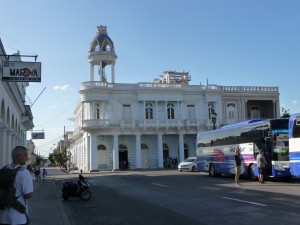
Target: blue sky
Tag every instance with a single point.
(229, 42)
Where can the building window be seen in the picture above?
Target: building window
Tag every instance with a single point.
(190, 112)
(144, 146)
(211, 109)
(186, 151)
(255, 112)
(126, 112)
(231, 111)
(101, 147)
(97, 111)
(170, 111)
(148, 111)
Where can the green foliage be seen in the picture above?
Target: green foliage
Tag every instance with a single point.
(59, 157)
(285, 113)
(38, 160)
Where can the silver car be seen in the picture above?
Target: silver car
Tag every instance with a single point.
(189, 164)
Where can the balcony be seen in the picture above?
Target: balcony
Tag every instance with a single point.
(95, 123)
(127, 124)
(27, 118)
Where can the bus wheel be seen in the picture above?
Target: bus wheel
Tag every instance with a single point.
(251, 173)
(212, 170)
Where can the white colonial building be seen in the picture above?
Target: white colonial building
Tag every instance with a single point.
(15, 117)
(142, 124)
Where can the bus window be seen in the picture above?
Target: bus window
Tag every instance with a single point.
(296, 129)
(281, 147)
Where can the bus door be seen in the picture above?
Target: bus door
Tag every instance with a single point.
(268, 155)
(281, 159)
(294, 145)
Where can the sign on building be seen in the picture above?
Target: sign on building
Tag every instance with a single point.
(21, 71)
(38, 135)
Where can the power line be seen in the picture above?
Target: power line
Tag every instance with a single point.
(16, 43)
(41, 125)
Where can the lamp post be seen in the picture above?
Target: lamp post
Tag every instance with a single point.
(213, 117)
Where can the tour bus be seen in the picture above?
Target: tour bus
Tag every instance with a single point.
(294, 144)
(215, 148)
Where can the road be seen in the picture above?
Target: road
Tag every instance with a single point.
(171, 197)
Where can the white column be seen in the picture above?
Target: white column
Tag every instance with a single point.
(274, 109)
(144, 112)
(138, 151)
(160, 151)
(8, 147)
(116, 153)
(156, 112)
(91, 72)
(93, 153)
(181, 147)
(113, 73)
(101, 71)
(3, 146)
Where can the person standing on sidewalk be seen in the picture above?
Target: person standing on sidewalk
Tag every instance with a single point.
(238, 164)
(261, 165)
(24, 189)
(44, 174)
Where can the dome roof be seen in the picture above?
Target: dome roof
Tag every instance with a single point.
(102, 40)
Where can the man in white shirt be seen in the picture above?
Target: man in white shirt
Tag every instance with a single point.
(24, 189)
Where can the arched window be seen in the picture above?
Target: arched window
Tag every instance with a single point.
(101, 147)
(255, 112)
(149, 111)
(170, 111)
(211, 109)
(122, 147)
(231, 113)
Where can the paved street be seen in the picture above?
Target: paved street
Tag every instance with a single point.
(165, 197)
(46, 207)
(171, 197)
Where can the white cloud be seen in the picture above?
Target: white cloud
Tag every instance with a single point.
(64, 87)
(295, 102)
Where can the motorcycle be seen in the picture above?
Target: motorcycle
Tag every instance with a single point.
(81, 189)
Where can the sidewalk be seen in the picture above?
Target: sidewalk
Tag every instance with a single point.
(46, 206)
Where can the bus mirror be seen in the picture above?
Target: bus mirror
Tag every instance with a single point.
(270, 134)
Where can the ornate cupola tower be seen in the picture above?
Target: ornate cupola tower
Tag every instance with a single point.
(102, 54)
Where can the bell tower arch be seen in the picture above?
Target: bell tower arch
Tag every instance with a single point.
(102, 55)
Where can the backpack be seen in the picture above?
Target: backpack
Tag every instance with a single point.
(8, 196)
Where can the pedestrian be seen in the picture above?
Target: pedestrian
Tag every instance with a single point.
(29, 168)
(23, 186)
(261, 165)
(37, 172)
(44, 174)
(238, 165)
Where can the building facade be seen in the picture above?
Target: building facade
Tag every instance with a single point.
(143, 125)
(15, 116)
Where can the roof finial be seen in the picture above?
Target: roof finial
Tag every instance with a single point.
(101, 29)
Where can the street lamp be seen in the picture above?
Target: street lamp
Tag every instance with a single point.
(213, 117)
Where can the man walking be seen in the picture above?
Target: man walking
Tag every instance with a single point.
(24, 189)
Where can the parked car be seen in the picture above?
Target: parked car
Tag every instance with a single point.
(189, 164)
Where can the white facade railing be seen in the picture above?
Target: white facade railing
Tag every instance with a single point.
(99, 84)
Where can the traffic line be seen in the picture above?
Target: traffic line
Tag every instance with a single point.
(238, 200)
(161, 185)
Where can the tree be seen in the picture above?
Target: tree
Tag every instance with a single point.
(285, 113)
(59, 157)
